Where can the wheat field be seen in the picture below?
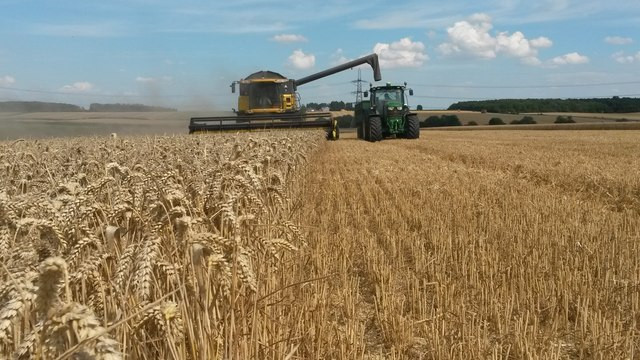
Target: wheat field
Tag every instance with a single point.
(281, 245)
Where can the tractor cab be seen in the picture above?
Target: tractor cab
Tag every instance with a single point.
(391, 95)
(388, 97)
(266, 92)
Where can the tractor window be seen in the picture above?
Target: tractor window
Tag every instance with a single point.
(389, 95)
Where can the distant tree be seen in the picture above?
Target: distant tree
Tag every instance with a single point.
(528, 120)
(37, 106)
(439, 121)
(431, 121)
(419, 107)
(316, 106)
(451, 120)
(524, 120)
(349, 106)
(344, 121)
(336, 106)
(564, 120)
(496, 121)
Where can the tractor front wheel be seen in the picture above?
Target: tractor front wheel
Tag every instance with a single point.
(375, 129)
(412, 127)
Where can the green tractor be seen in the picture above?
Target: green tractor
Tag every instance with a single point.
(386, 114)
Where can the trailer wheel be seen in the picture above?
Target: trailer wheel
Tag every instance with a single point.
(412, 127)
(375, 129)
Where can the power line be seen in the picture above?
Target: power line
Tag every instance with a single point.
(331, 84)
(526, 86)
(350, 82)
(448, 97)
(95, 95)
(480, 99)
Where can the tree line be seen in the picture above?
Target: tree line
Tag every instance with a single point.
(332, 106)
(39, 106)
(335, 106)
(514, 106)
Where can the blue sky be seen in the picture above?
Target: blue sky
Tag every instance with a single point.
(186, 53)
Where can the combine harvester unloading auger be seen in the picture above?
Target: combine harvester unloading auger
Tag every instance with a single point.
(268, 100)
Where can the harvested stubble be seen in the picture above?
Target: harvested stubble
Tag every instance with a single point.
(147, 248)
(476, 245)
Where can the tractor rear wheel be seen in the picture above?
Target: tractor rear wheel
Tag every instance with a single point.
(375, 129)
(412, 127)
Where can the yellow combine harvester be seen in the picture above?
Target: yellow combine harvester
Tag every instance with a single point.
(268, 100)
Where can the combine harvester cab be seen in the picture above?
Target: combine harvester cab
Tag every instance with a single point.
(268, 100)
(386, 114)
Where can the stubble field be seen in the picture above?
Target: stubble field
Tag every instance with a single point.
(492, 244)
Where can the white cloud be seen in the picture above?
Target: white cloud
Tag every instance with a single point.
(541, 42)
(515, 45)
(570, 59)
(143, 79)
(531, 61)
(300, 60)
(421, 14)
(228, 26)
(7, 80)
(148, 80)
(618, 40)
(402, 53)
(252, 16)
(90, 30)
(338, 57)
(472, 37)
(623, 58)
(288, 38)
(77, 87)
